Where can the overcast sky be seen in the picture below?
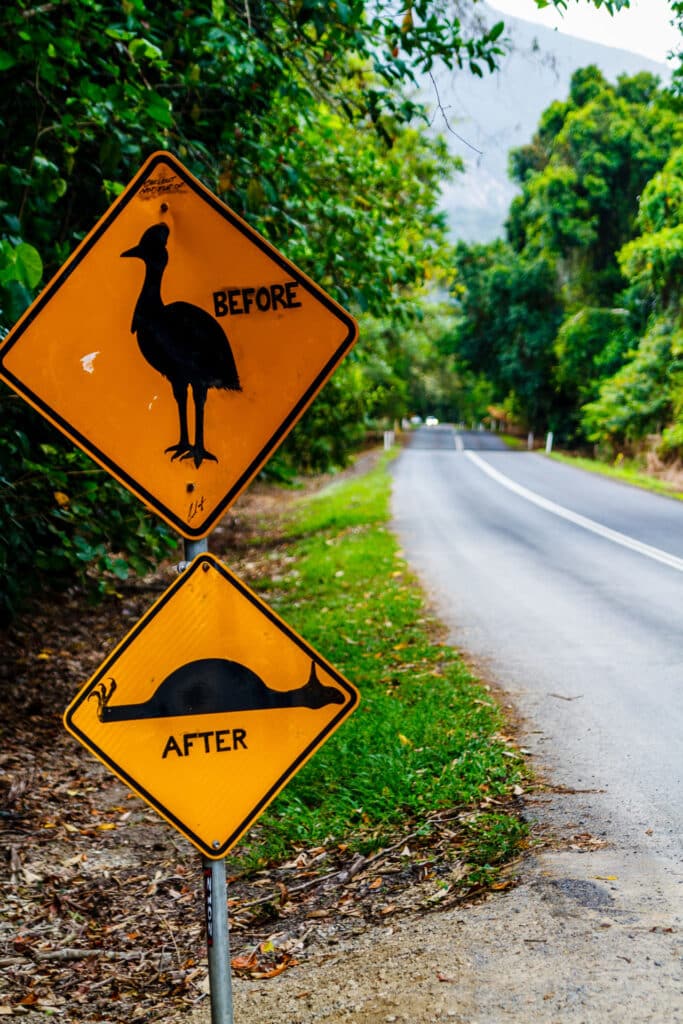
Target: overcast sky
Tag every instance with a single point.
(643, 28)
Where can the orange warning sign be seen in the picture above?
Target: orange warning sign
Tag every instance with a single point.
(176, 347)
(209, 706)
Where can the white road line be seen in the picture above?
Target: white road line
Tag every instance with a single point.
(573, 517)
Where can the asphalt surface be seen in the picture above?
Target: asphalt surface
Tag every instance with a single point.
(566, 589)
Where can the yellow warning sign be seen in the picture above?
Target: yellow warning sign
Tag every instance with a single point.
(209, 706)
(176, 347)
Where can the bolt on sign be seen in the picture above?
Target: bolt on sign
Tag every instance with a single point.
(209, 706)
(176, 347)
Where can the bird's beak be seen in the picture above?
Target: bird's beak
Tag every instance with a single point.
(135, 251)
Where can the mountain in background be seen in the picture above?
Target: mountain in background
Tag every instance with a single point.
(483, 118)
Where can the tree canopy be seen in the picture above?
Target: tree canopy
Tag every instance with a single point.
(576, 318)
(299, 115)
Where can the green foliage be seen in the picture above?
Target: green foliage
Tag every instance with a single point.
(661, 204)
(409, 368)
(362, 217)
(92, 86)
(636, 400)
(333, 427)
(653, 262)
(294, 113)
(508, 315)
(580, 205)
(602, 166)
(677, 20)
(671, 446)
(650, 385)
(62, 519)
(590, 346)
(586, 85)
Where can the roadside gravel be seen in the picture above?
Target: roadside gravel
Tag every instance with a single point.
(585, 938)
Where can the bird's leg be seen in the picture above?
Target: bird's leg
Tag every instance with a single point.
(182, 449)
(197, 451)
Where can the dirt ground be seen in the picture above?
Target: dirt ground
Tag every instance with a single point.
(101, 915)
(587, 936)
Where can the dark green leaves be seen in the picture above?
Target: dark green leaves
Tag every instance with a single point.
(20, 262)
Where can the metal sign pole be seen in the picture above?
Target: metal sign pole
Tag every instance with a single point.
(218, 940)
(215, 902)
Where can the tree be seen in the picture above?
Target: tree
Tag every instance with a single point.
(508, 315)
(553, 315)
(411, 369)
(646, 392)
(590, 346)
(636, 400)
(653, 261)
(579, 206)
(251, 96)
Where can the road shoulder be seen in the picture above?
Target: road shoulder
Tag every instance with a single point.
(584, 923)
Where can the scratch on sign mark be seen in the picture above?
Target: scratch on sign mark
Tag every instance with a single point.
(88, 361)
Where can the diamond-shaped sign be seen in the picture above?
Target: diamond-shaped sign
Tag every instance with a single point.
(209, 706)
(176, 347)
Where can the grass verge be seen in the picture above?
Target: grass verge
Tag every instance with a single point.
(427, 737)
(627, 472)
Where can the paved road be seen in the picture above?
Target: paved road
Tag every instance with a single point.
(569, 591)
(567, 588)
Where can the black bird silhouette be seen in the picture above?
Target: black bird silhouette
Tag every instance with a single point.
(182, 342)
(213, 686)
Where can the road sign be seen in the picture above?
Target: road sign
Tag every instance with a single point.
(209, 706)
(176, 347)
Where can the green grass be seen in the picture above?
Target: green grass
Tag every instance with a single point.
(628, 471)
(517, 443)
(426, 734)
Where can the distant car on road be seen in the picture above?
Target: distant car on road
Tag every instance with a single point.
(431, 421)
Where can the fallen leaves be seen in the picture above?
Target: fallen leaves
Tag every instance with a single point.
(76, 930)
(101, 903)
(264, 962)
(586, 841)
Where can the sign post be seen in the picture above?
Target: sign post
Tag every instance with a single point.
(215, 902)
(218, 940)
(178, 348)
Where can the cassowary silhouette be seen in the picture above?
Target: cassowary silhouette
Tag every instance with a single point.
(212, 686)
(182, 342)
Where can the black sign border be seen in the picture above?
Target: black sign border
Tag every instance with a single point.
(91, 449)
(107, 666)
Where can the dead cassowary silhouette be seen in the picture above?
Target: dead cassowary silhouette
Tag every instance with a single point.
(212, 686)
(182, 342)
